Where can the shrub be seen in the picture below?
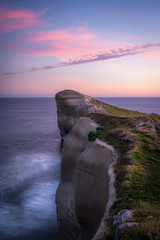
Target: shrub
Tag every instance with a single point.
(92, 136)
(99, 130)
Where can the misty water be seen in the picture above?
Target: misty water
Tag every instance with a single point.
(29, 168)
(30, 164)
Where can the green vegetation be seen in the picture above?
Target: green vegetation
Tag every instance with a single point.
(136, 138)
(99, 131)
(92, 135)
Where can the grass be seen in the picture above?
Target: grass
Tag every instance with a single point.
(136, 138)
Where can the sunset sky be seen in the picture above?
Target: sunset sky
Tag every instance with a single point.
(100, 48)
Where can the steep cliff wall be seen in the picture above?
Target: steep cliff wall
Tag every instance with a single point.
(71, 105)
(83, 193)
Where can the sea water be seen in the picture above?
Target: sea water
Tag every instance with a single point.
(29, 164)
(29, 168)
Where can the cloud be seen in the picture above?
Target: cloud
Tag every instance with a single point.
(63, 44)
(112, 54)
(14, 19)
(60, 43)
(71, 34)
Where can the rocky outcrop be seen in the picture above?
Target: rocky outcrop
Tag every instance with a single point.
(71, 105)
(121, 224)
(86, 191)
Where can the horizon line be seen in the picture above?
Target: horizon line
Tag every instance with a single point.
(84, 94)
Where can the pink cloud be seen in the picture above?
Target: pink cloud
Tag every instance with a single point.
(100, 56)
(69, 34)
(65, 44)
(69, 43)
(12, 19)
(71, 46)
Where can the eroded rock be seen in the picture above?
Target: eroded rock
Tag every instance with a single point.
(71, 105)
(69, 227)
(82, 195)
(92, 186)
(86, 190)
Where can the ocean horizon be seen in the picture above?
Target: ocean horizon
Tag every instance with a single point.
(140, 104)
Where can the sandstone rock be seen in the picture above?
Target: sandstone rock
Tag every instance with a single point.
(86, 190)
(74, 144)
(71, 105)
(92, 186)
(82, 195)
(67, 222)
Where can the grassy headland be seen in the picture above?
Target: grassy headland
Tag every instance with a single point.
(136, 138)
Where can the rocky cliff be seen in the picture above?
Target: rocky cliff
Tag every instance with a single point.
(71, 105)
(83, 193)
(128, 146)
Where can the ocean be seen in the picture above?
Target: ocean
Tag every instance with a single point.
(30, 164)
(29, 168)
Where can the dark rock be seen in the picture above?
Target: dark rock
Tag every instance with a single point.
(122, 217)
(120, 223)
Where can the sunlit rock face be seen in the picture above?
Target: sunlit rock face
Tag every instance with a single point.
(84, 190)
(71, 105)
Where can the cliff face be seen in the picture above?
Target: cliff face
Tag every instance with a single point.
(71, 105)
(83, 193)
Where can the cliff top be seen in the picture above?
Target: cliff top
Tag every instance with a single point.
(69, 94)
(136, 137)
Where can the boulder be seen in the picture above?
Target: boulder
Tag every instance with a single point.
(121, 224)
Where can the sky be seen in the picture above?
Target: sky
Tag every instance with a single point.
(98, 47)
